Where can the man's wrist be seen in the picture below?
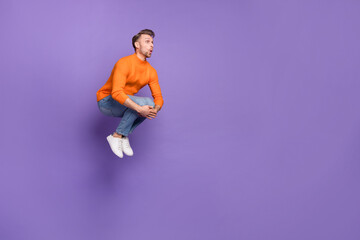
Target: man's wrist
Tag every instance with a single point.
(138, 108)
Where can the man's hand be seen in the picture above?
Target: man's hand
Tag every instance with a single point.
(153, 113)
(145, 111)
(148, 111)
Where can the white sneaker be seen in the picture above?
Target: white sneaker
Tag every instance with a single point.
(115, 144)
(126, 146)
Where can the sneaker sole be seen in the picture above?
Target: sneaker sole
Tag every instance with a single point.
(128, 154)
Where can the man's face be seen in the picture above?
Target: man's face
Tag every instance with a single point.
(146, 45)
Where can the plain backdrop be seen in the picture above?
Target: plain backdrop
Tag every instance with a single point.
(258, 137)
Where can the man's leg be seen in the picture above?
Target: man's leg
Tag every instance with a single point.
(131, 119)
(106, 106)
(126, 122)
(137, 122)
(140, 119)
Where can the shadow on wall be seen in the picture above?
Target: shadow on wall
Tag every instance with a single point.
(108, 168)
(106, 164)
(140, 139)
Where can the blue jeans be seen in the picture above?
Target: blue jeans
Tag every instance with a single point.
(130, 119)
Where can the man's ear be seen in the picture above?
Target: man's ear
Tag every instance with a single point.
(137, 44)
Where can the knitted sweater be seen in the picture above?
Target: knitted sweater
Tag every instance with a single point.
(128, 76)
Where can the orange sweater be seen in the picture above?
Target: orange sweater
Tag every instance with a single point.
(128, 76)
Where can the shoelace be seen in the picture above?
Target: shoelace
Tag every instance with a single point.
(119, 144)
(126, 143)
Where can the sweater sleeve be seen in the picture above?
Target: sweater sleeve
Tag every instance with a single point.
(155, 89)
(121, 70)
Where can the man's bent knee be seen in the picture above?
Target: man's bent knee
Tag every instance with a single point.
(150, 102)
(142, 101)
(147, 101)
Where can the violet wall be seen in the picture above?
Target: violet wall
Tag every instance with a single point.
(258, 137)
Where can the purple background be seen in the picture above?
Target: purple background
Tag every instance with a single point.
(258, 137)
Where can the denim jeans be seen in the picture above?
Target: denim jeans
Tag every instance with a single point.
(130, 119)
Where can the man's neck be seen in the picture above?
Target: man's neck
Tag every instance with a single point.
(141, 56)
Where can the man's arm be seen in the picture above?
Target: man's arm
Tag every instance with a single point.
(155, 90)
(157, 108)
(119, 76)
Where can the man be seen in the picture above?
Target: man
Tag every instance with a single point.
(116, 98)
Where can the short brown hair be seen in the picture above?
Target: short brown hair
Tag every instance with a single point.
(144, 31)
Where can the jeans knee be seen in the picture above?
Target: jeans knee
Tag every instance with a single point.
(149, 101)
(142, 101)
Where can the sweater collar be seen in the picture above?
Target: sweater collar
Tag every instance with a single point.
(138, 60)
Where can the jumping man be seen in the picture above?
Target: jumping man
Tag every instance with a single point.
(116, 98)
